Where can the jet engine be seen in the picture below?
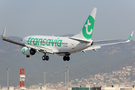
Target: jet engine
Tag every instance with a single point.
(28, 51)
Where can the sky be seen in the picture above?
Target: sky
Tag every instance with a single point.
(115, 19)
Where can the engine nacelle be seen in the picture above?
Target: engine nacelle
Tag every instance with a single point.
(27, 51)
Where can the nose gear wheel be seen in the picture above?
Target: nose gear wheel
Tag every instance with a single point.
(66, 58)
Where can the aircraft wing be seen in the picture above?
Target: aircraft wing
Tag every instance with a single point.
(11, 41)
(94, 47)
(38, 48)
(106, 40)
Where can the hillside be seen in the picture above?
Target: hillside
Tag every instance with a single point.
(81, 65)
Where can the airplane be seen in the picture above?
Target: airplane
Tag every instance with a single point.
(63, 46)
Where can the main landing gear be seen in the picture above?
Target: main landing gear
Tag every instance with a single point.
(45, 57)
(66, 58)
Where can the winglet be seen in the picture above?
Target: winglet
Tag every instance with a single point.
(130, 37)
(4, 32)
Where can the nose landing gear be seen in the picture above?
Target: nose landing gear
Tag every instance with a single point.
(66, 58)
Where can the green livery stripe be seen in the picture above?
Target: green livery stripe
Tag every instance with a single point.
(130, 38)
(44, 41)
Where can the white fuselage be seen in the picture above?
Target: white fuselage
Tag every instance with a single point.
(59, 45)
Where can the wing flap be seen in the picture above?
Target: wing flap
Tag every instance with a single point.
(39, 48)
(107, 40)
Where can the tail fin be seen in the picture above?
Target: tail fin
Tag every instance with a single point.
(87, 30)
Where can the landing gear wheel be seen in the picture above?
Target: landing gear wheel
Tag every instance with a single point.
(66, 58)
(27, 56)
(43, 58)
(47, 58)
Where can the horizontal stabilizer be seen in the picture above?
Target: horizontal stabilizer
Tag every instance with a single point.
(81, 40)
(94, 47)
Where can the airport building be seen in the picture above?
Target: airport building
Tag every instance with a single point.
(73, 88)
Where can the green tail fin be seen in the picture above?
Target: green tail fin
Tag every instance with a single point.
(87, 30)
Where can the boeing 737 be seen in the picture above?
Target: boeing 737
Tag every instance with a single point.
(63, 46)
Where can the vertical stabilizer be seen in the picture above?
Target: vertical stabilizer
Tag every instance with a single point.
(87, 30)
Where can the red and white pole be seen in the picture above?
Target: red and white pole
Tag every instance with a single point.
(22, 79)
